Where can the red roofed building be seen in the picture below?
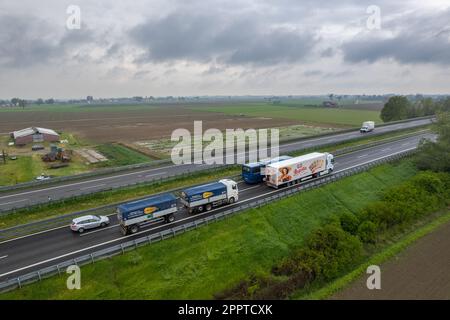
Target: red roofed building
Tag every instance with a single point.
(34, 134)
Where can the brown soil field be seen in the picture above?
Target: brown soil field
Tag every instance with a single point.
(422, 271)
(131, 125)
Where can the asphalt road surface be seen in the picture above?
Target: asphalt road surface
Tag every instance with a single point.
(40, 194)
(33, 252)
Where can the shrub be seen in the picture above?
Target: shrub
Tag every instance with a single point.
(349, 222)
(367, 232)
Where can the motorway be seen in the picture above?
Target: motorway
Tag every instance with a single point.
(29, 253)
(40, 194)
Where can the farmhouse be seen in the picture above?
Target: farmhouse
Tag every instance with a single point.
(34, 134)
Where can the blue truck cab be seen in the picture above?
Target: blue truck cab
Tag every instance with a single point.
(132, 214)
(254, 172)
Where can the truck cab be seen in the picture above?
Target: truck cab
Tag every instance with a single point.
(330, 163)
(367, 126)
(255, 172)
(232, 189)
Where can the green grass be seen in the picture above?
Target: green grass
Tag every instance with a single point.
(318, 115)
(27, 168)
(119, 155)
(377, 259)
(202, 262)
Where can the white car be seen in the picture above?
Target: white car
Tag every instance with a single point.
(84, 223)
(43, 177)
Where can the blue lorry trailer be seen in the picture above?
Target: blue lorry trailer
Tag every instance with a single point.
(207, 196)
(132, 214)
(254, 172)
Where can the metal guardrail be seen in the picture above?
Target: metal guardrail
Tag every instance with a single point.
(173, 232)
(156, 163)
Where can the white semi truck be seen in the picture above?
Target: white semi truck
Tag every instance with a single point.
(297, 169)
(207, 196)
(367, 126)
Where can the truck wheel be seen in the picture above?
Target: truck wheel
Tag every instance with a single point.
(231, 201)
(170, 218)
(134, 228)
(208, 207)
(200, 209)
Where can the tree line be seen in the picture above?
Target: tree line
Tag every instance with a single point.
(400, 108)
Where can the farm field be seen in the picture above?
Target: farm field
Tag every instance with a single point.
(98, 124)
(319, 116)
(419, 272)
(217, 256)
(119, 155)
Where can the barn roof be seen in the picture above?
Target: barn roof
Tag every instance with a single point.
(32, 130)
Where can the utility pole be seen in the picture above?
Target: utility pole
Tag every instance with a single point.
(4, 156)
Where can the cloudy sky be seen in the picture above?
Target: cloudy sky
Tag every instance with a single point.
(229, 47)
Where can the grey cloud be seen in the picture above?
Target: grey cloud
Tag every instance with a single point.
(231, 41)
(28, 41)
(418, 39)
(24, 41)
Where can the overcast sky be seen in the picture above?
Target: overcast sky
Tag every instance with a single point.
(229, 47)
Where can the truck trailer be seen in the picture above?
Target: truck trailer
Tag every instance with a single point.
(367, 126)
(255, 172)
(297, 169)
(207, 196)
(133, 214)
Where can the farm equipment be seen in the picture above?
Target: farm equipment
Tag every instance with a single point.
(56, 153)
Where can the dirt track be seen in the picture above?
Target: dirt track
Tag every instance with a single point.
(422, 271)
(132, 125)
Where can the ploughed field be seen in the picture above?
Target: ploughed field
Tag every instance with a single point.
(420, 272)
(140, 122)
(128, 124)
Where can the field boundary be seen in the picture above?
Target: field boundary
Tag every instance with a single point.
(121, 248)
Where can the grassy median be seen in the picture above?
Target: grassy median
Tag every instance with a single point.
(202, 262)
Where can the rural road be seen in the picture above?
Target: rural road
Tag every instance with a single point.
(26, 197)
(34, 252)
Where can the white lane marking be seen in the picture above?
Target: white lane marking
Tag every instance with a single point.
(4, 257)
(14, 201)
(83, 182)
(242, 190)
(90, 187)
(98, 230)
(362, 156)
(177, 221)
(155, 174)
(404, 144)
(386, 149)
